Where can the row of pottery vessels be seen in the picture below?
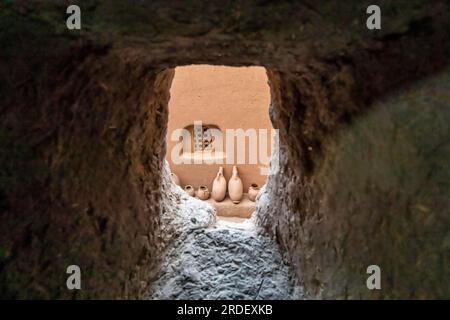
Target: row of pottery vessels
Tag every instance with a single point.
(219, 189)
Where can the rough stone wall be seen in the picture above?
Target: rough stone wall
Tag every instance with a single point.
(79, 184)
(331, 242)
(380, 195)
(84, 118)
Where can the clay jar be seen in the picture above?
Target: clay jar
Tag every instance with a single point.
(189, 190)
(203, 193)
(253, 191)
(235, 187)
(175, 179)
(219, 188)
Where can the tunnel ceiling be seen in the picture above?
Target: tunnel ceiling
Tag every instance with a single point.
(275, 34)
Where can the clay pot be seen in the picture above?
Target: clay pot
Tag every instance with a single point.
(235, 187)
(219, 188)
(175, 179)
(253, 191)
(203, 193)
(189, 190)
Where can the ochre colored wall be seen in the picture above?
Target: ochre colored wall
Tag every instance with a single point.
(228, 97)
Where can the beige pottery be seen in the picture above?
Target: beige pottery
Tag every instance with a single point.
(189, 190)
(235, 187)
(219, 188)
(253, 191)
(203, 193)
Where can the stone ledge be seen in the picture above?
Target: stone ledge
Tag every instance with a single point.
(227, 208)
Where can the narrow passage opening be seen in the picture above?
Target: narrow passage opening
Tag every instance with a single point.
(219, 122)
(219, 144)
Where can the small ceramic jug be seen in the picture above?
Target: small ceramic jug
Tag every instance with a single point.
(219, 188)
(203, 193)
(189, 190)
(253, 191)
(235, 187)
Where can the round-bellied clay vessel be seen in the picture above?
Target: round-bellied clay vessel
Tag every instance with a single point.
(189, 190)
(203, 193)
(219, 188)
(253, 191)
(235, 187)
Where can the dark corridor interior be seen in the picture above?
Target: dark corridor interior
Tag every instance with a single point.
(363, 122)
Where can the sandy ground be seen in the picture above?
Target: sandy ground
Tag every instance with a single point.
(220, 258)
